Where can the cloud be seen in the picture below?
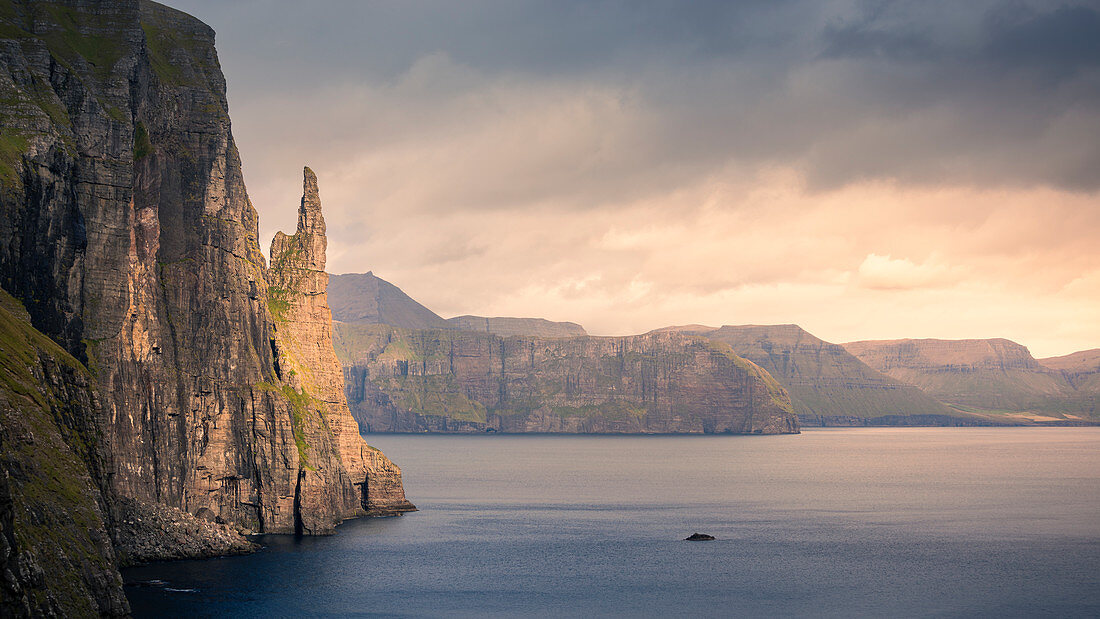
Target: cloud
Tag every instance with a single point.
(885, 273)
(865, 169)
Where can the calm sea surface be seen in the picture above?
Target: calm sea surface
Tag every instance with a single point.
(838, 522)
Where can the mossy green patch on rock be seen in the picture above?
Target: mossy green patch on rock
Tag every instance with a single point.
(433, 395)
(142, 146)
(12, 147)
(56, 522)
(175, 53)
(300, 404)
(776, 392)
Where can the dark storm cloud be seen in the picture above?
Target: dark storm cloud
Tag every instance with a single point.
(867, 168)
(1062, 41)
(922, 92)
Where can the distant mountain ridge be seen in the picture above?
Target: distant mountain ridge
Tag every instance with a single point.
(365, 299)
(988, 375)
(504, 326)
(1081, 369)
(894, 382)
(827, 384)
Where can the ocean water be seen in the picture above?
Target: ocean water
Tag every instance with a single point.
(997, 522)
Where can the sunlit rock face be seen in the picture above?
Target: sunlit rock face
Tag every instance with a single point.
(127, 233)
(329, 446)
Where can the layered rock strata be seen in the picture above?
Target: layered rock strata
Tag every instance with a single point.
(994, 376)
(126, 231)
(828, 385)
(452, 381)
(340, 474)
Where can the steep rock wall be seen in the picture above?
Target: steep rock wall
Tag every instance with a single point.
(408, 380)
(340, 471)
(828, 385)
(126, 230)
(56, 558)
(992, 376)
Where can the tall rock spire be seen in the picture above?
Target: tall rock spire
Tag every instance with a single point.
(307, 365)
(311, 224)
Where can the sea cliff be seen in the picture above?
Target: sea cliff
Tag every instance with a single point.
(460, 381)
(127, 235)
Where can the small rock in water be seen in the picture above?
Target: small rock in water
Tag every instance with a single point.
(698, 537)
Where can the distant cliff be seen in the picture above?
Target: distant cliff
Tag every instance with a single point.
(1081, 371)
(828, 385)
(438, 380)
(994, 376)
(127, 234)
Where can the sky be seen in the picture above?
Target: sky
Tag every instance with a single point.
(865, 169)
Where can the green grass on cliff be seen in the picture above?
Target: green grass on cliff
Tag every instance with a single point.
(76, 39)
(168, 45)
(300, 403)
(12, 147)
(435, 395)
(285, 279)
(143, 147)
(21, 343)
(56, 520)
(278, 302)
(776, 393)
(616, 410)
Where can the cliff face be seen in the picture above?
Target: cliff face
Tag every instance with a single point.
(828, 385)
(434, 380)
(56, 557)
(126, 231)
(1081, 369)
(340, 475)
(981, 375)
(537, 327)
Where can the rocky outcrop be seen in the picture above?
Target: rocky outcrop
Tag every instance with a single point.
(456, 381)
(126, 231)
(536, 327)
(152, 532)
(363, 298)
(327, 437)
(827, 384)
(994, 377)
